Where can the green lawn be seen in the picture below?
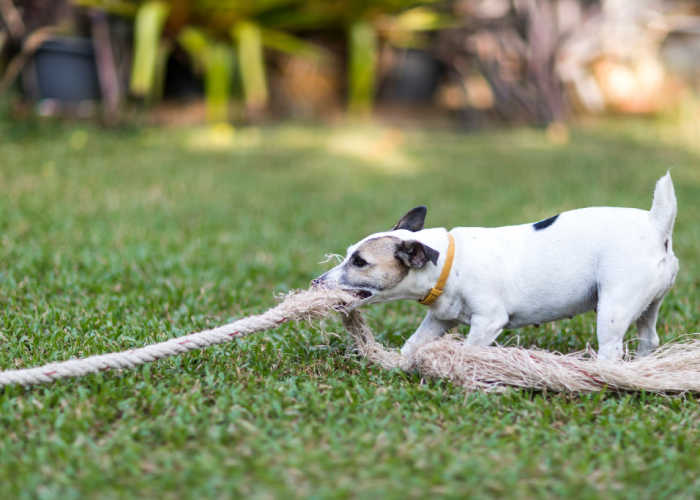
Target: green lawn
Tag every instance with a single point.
(115, 239)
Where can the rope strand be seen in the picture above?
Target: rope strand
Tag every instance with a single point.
(674, 368)
(302, 305)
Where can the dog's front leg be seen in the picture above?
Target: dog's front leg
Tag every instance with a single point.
(430, 329)
(485, 328)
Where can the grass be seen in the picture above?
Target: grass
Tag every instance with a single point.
(110, 240)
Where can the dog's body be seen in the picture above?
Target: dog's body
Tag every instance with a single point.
(618, 261)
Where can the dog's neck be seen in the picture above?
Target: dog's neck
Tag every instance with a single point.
(436, 291)
(437, 239)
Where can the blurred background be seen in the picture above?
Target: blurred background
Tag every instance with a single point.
(167, 166)
(469, 63)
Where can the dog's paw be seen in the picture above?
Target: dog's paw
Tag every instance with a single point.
(408, 350)
(407, 364)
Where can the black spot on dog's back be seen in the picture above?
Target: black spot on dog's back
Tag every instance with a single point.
(544, 223)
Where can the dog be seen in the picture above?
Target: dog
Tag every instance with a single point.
(617, 261)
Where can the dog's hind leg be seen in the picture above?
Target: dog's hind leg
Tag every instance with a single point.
(616, 310)
(646, 325)
(611, 326)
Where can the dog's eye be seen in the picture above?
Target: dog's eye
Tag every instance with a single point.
(358, 261)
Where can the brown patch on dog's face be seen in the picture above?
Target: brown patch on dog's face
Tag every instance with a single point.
(378, 264)
(373, 265)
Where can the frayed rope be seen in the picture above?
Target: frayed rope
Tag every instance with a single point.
(674, 368)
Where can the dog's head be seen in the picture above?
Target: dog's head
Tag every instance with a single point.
(385, 266)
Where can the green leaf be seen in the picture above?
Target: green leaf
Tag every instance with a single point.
(148, 29)
(195, 43)
(251, 63)
(362, 46)
(420, 19)
(290, 44)
(407, 28)
(159, 68)
(217, 80)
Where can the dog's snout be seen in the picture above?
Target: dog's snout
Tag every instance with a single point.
(326, 280)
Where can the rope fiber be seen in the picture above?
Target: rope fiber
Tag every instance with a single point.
(674, 368)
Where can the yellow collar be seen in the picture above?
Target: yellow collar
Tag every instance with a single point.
(437, 290)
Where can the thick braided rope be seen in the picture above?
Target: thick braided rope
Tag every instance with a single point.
(302, 305)
(674, 368)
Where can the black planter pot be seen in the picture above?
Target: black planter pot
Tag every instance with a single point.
(66, 70)
(413, 79)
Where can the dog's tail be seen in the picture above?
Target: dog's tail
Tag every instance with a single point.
(664, 207)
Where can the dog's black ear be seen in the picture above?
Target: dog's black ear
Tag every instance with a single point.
(415, 254)
(413, 220)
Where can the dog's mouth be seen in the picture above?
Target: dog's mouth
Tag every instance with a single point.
(362, 294)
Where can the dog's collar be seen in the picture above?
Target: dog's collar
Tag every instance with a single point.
(437, 290)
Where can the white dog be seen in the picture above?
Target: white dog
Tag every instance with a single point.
(618, 261)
